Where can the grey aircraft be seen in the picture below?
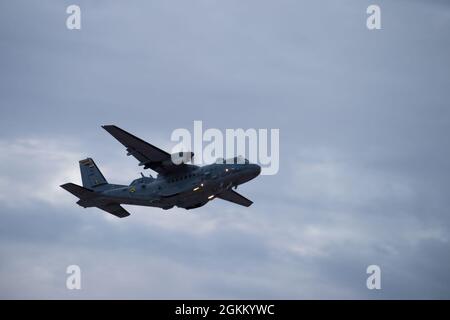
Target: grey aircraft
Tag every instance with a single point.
(177, 183)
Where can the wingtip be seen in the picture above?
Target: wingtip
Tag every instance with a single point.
(111, 127)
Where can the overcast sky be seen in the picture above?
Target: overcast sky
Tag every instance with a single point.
(364, 160)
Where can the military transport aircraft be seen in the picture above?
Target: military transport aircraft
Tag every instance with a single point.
(183, 185)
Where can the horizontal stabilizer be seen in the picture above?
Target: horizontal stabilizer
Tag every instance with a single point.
(115, 209)
(89, 198)
(235, 197)
(79, 191)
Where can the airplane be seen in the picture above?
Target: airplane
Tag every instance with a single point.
(182, 185)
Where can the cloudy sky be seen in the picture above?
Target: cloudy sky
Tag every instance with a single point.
(364, 160)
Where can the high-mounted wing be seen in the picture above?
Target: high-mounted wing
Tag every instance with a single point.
(148, 155)
(233, 196)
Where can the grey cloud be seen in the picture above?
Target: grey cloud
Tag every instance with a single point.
(363, 119)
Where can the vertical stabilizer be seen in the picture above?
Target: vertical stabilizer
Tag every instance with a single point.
(90, 174)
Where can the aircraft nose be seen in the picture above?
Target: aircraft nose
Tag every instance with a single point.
(256, 170)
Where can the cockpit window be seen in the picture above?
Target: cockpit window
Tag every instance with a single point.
(240, 160)
(236, 160)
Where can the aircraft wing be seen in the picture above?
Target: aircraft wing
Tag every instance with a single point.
(148, 155)
(235, 197)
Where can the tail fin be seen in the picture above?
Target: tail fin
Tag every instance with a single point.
(90, 174)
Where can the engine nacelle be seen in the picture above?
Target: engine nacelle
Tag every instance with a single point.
(181, 157)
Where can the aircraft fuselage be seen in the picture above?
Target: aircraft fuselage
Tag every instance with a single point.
(191, 189)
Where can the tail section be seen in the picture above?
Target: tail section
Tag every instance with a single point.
(90, 174)
(89, 198)
(91, 193)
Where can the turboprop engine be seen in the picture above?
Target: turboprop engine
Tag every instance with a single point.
(181, 157)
